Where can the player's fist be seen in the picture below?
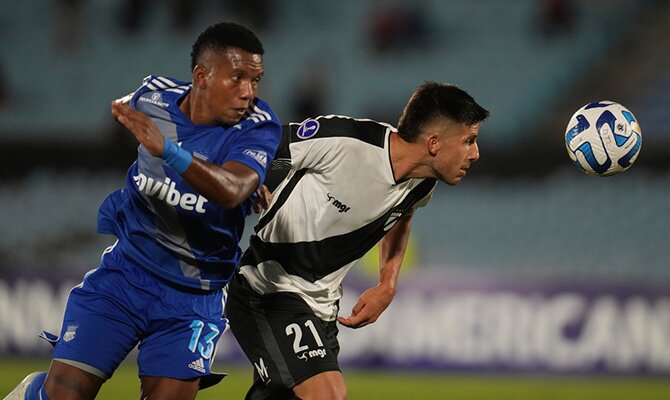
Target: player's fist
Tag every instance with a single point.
(263, 200)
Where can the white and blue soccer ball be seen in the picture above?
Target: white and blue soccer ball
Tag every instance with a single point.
(603, 138)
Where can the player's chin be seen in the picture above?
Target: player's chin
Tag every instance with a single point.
(453, 179)
(453, 182)
(231, 117)
(237, 113)
(228, 121)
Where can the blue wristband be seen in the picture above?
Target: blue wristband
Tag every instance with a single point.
(175, 157)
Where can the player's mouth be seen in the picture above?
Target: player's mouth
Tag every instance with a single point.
(239, 112)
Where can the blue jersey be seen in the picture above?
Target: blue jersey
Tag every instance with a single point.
(163, 225)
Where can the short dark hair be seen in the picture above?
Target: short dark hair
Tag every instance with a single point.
(432, 101)
(223, 35)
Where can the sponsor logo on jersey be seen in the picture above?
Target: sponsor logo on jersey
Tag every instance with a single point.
(258, 155)
(155, 99)
(338, 204)
(309, 354)
(70, 333)
(165, 191)
(308, 129)
(198, 365)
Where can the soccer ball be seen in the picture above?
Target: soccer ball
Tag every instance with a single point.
(603, 138)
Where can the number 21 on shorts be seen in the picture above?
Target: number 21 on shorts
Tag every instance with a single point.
(294, 329)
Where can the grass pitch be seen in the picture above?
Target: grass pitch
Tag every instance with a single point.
(387, 385)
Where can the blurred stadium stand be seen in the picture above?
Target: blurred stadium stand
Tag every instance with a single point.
(525, 209)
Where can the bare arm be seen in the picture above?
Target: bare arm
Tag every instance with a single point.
(374, 301)
(227, 185)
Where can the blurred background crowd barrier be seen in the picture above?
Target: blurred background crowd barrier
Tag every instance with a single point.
(528, 265)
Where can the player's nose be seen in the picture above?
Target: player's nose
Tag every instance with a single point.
(474, 153)
(246, 90)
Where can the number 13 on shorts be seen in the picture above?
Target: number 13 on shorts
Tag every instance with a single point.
(205, 349)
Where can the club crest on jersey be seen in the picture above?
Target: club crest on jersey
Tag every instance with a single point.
(308, 129)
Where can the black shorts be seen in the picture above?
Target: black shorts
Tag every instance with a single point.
(281, 336)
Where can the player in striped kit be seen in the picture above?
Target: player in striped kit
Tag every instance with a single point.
(349, 184)
(204, 149)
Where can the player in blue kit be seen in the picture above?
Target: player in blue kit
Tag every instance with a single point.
(204, 149)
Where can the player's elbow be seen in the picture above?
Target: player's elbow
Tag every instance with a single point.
(229, 202)
(233, 192)
(234, 196)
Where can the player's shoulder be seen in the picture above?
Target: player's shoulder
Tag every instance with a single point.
(260, 118)
(153, 83)
(341, 126)
(157, 91)
(158, 83)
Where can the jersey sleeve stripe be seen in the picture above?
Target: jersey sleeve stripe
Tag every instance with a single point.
(167, 81)
(256, 117)
(175, 90)
(159, 84)
(125, 99)
(264, 113)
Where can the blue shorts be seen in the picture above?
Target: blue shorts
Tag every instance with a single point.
(119, 306)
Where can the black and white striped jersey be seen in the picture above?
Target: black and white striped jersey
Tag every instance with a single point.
(338, 200)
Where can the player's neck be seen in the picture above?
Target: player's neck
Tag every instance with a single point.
(194, 111)
(406, 159)
(185, 106)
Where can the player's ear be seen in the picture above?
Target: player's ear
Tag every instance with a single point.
(432, 142)
(199, 75)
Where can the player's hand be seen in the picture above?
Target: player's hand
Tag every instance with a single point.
(144, 129)
(369, 307)
(263, 200)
